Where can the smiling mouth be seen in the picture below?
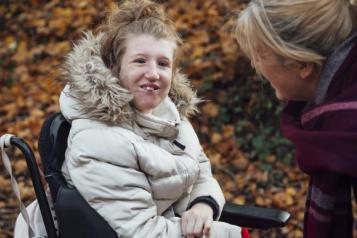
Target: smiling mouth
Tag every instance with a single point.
(149, 87)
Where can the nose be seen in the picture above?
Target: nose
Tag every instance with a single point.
(152, 72)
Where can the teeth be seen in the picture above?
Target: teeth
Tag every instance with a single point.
(149, 88)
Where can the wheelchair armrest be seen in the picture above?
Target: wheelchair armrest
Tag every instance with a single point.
(254, 217)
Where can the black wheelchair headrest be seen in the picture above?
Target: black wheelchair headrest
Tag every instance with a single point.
(52, 145)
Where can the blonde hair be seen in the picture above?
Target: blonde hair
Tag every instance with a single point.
(134, 17)
(301, 30)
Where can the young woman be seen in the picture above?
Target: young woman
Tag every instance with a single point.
(307, 50)
(132, 153)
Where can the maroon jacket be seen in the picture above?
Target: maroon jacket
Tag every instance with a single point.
(325, 139)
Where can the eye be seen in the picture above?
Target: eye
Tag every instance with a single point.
(140, 60)
(164, 63)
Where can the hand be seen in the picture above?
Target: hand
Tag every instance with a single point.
(197, 221)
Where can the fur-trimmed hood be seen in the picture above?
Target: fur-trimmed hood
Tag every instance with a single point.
(97, 94)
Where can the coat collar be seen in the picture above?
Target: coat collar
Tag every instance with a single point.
(162, 122)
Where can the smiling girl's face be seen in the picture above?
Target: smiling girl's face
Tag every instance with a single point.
(146, 70)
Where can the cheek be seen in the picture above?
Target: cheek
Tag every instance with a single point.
(129, 78)
(168, 84)
(167, 78)
(275, 74)
(125, 82)
(267, 71)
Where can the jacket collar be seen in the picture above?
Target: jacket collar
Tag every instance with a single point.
(333, 63)
(162, 122)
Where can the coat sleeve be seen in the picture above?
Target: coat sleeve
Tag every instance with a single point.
(107, 175)
(206, 185)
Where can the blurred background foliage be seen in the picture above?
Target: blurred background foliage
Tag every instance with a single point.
(238, 123)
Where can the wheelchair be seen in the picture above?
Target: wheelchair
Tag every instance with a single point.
(75, 217)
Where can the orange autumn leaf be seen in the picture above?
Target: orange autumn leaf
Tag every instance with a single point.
(210, 109)
(282, 200)
(216, 138)
(228, 131)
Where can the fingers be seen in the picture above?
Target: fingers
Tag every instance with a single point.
(197, 221)
(184, 221)
(187, 225)
(207, 227)
(191, 225)
(197, 230)
(190, 228)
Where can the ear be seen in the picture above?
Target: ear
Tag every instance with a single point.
(306, 69)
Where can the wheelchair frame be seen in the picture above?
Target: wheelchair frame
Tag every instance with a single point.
(242, 215)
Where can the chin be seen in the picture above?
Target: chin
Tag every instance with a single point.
(147, 107)
(281, 97)
(146, 103)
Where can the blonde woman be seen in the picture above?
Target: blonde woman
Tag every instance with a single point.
(307, 50)
(132, 152)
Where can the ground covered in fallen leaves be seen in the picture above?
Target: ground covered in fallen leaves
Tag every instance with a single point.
(238, 120)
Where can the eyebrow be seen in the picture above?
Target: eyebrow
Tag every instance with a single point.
(145, 55)
(139, 54)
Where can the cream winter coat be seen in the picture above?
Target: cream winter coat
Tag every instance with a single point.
(137, 171)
